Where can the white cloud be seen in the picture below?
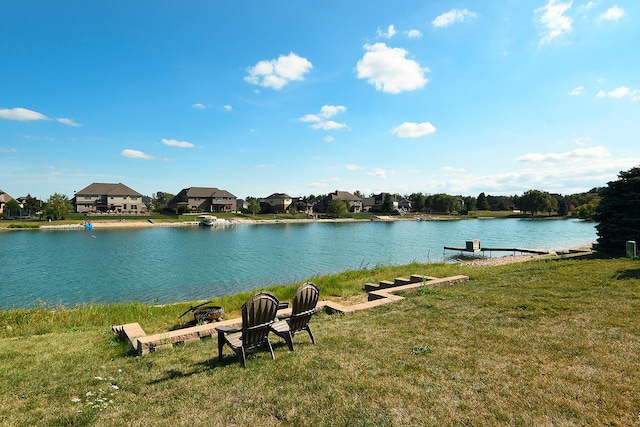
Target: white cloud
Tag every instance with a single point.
(67, 122)
(451, 17)
(612, 14)
(453, 169)
(320, 120)
(577, 155)
(328, 139)
(413, 130)
(329, 125)
(353, 167)
(414, 34)
(619, 93)
(331, 110)
(317, 185)
(277, 73)
(25, 115)
(391, 31)
(135, 154)
(576, 91)
(199, 106)
(176, 143)
(389, 70)
(21, 114)
(228, 108)
(587, 6)
(7, 150)
(554, 21)
(380, 173)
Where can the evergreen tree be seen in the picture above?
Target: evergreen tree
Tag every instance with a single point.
(481, 203)
(618, 213)
(387, 204)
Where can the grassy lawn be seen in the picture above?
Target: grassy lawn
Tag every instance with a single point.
(551, 342)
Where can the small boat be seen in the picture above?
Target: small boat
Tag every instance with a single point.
(208, 220)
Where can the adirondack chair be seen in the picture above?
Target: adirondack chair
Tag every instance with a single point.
(303, 303)
(258, 314)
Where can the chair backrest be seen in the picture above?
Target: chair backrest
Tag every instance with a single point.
(258, 314)
(303, 303)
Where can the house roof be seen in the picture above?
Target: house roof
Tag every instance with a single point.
(207, 192)
(345, 195)
(4, 197)
(99, 189)
(199, 192)
(278, 196)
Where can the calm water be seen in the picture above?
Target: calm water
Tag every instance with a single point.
(165, 264)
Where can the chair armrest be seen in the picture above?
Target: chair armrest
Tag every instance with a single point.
(283, 316)
(226, 329)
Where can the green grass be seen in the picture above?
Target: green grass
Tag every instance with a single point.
(551, 342)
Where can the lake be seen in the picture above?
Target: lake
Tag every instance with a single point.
(169, 264)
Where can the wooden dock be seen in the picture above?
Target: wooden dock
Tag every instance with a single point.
(490, 250)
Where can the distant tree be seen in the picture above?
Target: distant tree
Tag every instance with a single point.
(618, 213)
(147, 202)
(12, 207)
(418, 202)
(503, 205)
(482, 204)
(358, 193)
(590, 197)
(160, 199)
(337, 208)
(535, 201)
(563, 206)
(443, 203)
(586, 211)
(32, 204)
(470, 203)
(253, 205)
(387, 203)
(58, 206)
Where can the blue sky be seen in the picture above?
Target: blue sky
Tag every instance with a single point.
(310, 97)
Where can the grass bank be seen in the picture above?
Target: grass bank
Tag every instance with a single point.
(549, 342)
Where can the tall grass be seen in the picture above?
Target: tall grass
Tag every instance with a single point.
(551, 342)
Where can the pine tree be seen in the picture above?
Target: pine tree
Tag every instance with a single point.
(618, 213)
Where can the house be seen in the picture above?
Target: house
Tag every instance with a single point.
(375, 202)
(354, 202)
(108, 198)
(498, 203)
(276, 203)
(564, 205)
(204, 199)
(303, 206)
(4, 198)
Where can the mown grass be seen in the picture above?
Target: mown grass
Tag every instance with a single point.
(552, 342)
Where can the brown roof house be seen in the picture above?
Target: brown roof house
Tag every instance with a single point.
(204, 199)
(276, 203)
(4, 198)
(108, 198)
(354, 202)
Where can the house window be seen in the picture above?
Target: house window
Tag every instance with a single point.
(134, 207)
(134, 197)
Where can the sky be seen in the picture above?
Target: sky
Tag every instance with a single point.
(305, 98)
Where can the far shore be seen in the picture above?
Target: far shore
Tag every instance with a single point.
(145, 223)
